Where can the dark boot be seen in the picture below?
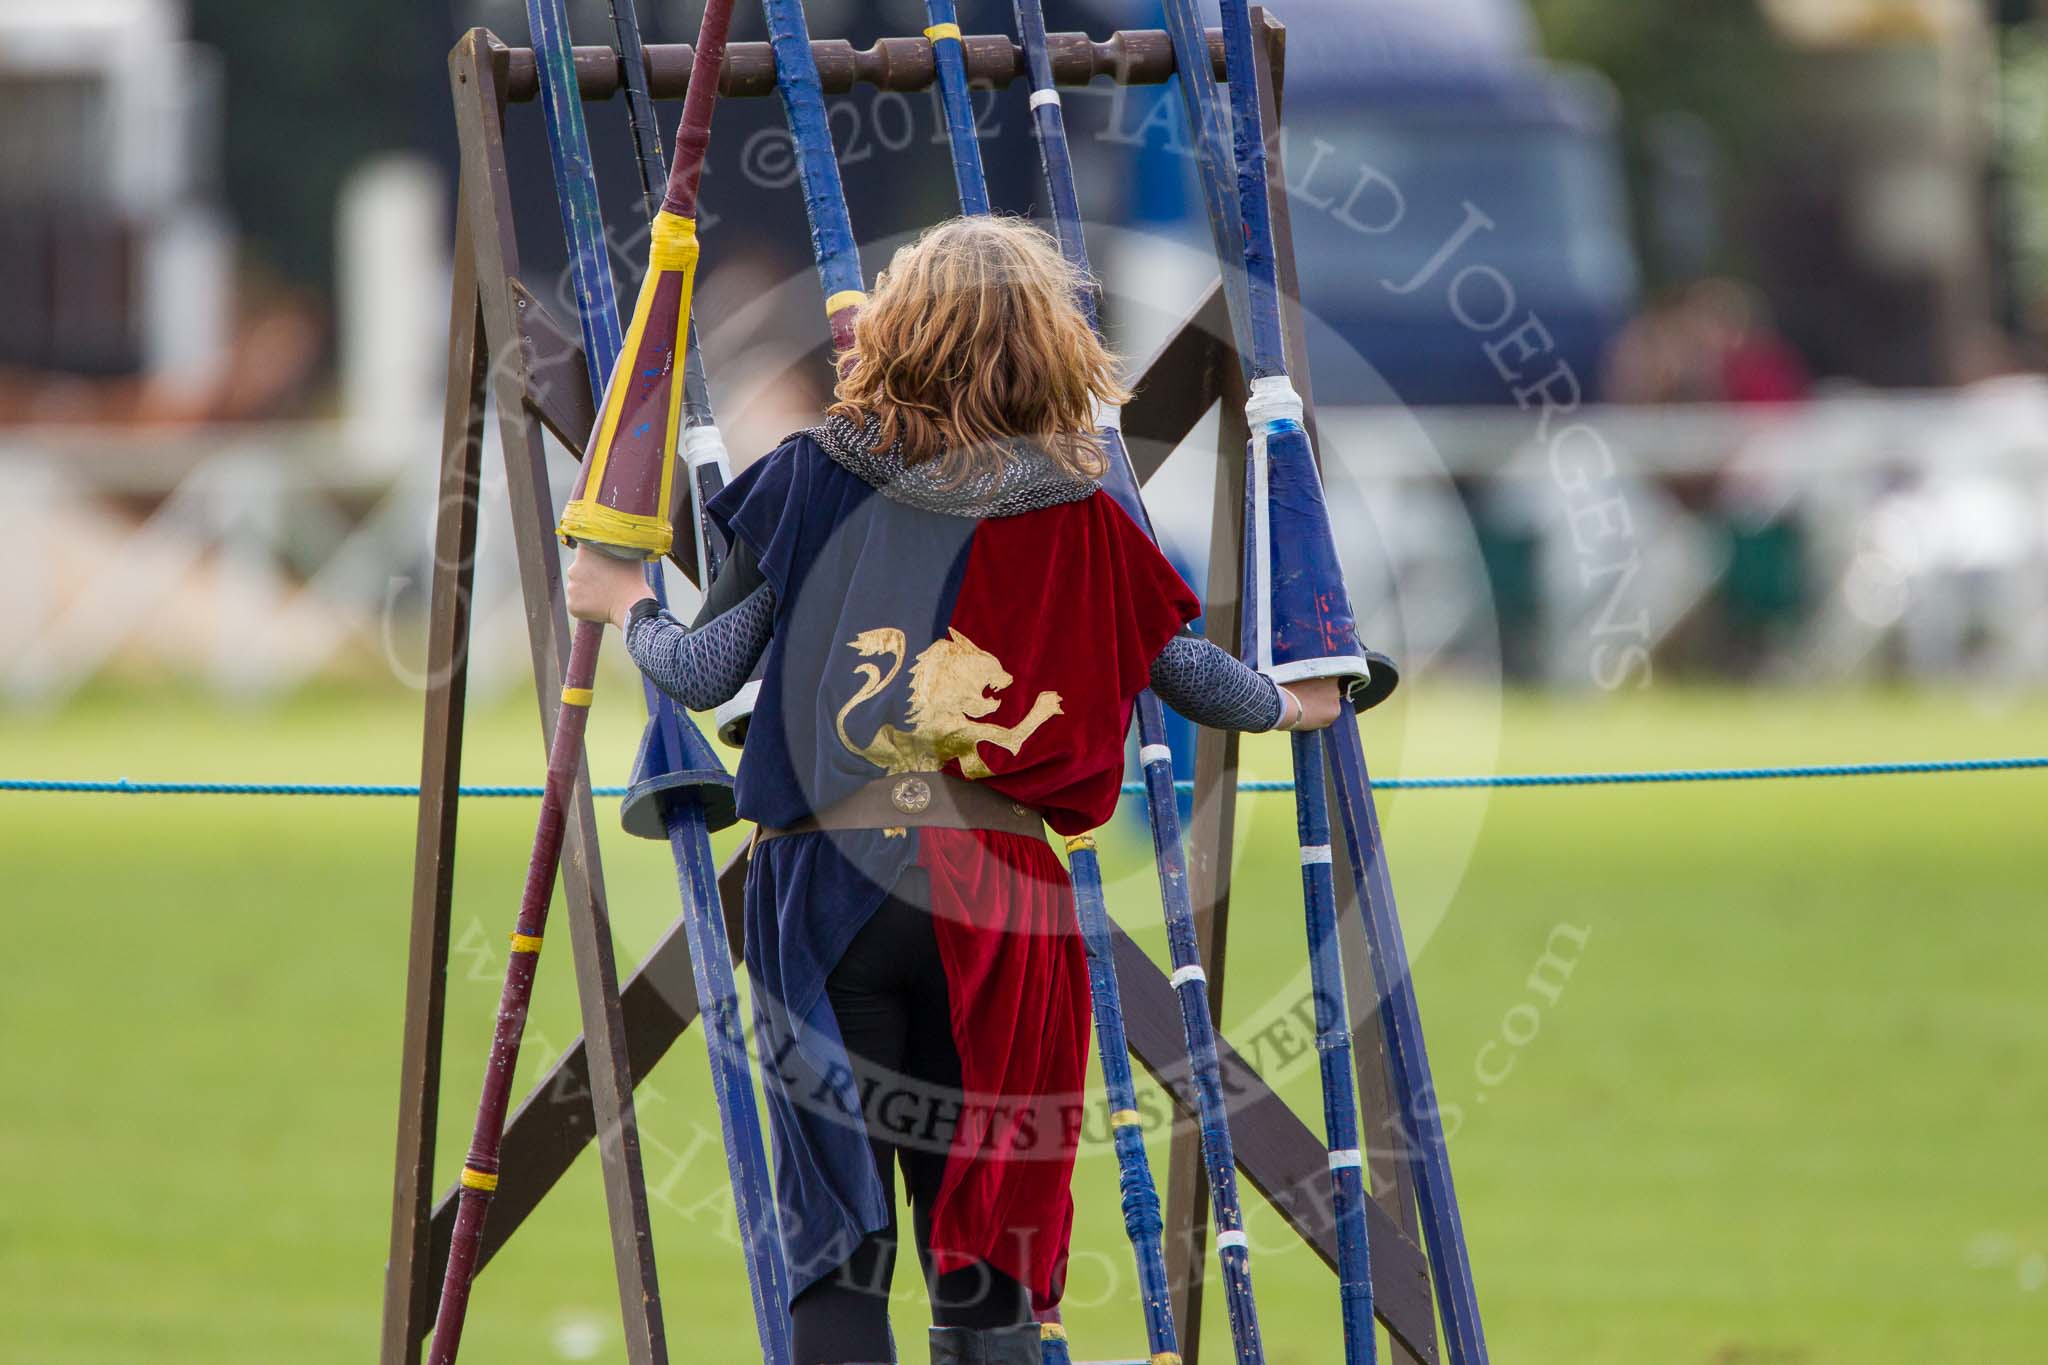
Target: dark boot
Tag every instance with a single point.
(986, 1346)
(1012, 1345)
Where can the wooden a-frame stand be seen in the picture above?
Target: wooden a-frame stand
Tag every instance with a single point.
(504, 346)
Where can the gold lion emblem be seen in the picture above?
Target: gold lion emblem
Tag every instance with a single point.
(951, 687)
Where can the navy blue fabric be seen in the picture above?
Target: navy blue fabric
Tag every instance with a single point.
(808, 896)
(842, 560)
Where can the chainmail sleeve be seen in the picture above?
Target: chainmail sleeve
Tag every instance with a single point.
(1210, 687)
(704, 665)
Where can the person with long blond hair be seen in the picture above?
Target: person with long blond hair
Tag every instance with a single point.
(951, 621)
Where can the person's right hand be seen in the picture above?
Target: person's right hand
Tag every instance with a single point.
(602, 587)
(1316, 704)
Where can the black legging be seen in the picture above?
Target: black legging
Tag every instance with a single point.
(889, 993)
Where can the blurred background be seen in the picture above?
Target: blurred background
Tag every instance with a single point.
(1787, 261)
(1680, 366)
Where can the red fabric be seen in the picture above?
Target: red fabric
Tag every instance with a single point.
(1074, 599)
(1017, 985)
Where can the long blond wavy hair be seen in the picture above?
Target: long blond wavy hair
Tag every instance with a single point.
(972, 338)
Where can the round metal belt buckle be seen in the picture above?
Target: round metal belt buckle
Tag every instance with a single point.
(911, 795)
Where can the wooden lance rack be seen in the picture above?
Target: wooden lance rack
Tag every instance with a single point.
(505, 346)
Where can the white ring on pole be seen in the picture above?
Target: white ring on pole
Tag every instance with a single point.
(1314, 853)
(1192, 972)
(702, 446)
(1233, 1238)
(1346, 1158)
(1272, 399)
(1044, 97)
(1154, 753)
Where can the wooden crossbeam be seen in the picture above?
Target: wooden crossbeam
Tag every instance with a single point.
(1129, 56)
(1175, 385)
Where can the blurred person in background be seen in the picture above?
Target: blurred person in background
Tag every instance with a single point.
(1710, 342)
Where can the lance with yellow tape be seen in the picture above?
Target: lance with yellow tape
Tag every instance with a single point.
(620, 505)
(680, 791)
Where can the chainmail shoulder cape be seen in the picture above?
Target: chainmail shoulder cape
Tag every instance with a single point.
(1025, 481)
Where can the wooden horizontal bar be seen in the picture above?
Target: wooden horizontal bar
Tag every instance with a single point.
(1173, 387)
(1128, 56)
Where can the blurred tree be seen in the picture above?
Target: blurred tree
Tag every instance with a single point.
(1712, 60)
(2020, 172)
(311, 90)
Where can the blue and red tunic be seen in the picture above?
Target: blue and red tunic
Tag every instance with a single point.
(1007, 650)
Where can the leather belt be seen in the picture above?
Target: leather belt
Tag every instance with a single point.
(920, 800)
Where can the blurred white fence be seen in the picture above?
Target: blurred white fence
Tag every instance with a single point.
(255, 559)
(249, 559)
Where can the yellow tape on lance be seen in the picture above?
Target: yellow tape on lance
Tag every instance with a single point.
(576, 696)
(1051, 1331)
(479, 1180)
(525, 943)
(845, 298)
(1125, 1118)
(671, 250)
(593, 521)
(938, 31)
(671, 242)
(1080, 841)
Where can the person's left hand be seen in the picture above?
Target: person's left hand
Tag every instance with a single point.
(1317, 704)
(602, 587)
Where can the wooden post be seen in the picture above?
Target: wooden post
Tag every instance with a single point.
(409, 1277)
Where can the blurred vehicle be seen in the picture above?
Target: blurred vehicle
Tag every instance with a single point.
(1411, 122)
(115, 256)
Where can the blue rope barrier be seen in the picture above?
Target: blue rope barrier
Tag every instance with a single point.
(124, 787)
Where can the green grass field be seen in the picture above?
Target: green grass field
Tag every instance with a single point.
(1787, 1109)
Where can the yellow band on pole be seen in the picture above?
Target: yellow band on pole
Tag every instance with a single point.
(576, 696)
(479, 1180)
(938, 31)
(525, 943)
(1166, 1358)
(609, 526)
(845, 298)
(1051, 1331)
(1125, 1118)
(671, 242)
(1080, 841)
